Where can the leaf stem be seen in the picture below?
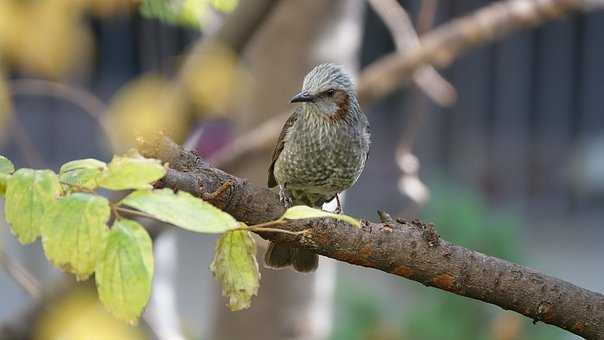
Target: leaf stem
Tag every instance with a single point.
(78, 187)
(268, 227)
(118, 208)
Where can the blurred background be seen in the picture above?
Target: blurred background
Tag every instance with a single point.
(503, 151)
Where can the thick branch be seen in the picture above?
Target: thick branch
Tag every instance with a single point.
(410, 249)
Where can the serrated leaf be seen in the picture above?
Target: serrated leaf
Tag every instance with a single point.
(131, 173)
(236, 269)
(74, 233)
(124, 273)
(182, 210)
(301, 211)
(82, 173)
(6, 166)
(29, 194)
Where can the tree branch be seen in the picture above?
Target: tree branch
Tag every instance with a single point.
(411, 249)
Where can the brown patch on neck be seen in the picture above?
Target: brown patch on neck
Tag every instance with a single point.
(343, 103)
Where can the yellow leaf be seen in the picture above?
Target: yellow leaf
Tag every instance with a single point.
(74, 231)
(124, 273)
(29, 195)
(236, 269)
(301, 211)
(182, 210)
(131, 172)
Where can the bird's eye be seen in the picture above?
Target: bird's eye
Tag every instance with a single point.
(330, 92)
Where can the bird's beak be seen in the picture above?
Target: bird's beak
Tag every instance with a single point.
(302, 97)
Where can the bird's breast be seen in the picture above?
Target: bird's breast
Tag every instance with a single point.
(321, 158)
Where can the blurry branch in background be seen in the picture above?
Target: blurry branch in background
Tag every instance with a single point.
(439, 47)
(83, 99)
(411, 249)
(405, 38)
(409, 182)
(21, 276)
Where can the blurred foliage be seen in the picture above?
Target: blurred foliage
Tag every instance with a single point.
(5, 105)
(56, 45)
(215, 81)
(143, 107)
(188, 12)
(462, 217)
(79, 315)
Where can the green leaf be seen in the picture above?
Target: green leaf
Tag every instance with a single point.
(29, 194)
(236, 269)
(82, 173)
(131, 173)
(74, 233)
(182, 210)
(301, 211)
(6, 166)
(124, 273)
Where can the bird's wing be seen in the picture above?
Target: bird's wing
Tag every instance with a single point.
(279, 147)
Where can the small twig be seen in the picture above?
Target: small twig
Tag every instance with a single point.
(267, 227)
(276, 230)
(21, 276)
(218, 192)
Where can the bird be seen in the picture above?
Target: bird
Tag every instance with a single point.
(321, 151)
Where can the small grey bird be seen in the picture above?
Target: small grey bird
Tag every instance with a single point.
(321, 152)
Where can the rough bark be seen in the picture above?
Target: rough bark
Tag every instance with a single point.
(411, 249)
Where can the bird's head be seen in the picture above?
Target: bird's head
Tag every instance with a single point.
(327, 90)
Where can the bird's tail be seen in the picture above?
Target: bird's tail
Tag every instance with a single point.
(282, 255)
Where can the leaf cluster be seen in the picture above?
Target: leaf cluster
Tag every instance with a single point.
(84, 233)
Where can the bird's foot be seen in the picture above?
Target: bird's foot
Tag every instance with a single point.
(285, 197)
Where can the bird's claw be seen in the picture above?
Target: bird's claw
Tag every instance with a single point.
(338, 209)
(285, 197)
